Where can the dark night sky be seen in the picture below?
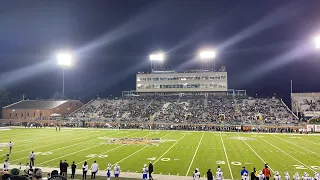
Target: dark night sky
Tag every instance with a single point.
(263, 43)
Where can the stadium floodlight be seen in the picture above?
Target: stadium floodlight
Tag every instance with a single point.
(64, 60)
(208, 59)
(156, 57)
(156, 60)
(317, 42)
(207, 54)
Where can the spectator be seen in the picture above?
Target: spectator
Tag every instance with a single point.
(61, 167)
(94, 170)
(73, 169)
(84, 170)
(150, 170)
(65, 166)
(209, 175)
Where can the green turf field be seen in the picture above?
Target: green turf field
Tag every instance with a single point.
(179, 153)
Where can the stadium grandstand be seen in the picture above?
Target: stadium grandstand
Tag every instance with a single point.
(192, 97)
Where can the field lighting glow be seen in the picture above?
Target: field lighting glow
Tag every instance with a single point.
(64, 59)
(156, 57)
(317, 42)
(207, 54)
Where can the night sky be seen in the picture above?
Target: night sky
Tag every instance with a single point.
(263, 43)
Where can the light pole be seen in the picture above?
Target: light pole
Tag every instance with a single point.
(156, 60)
(208, 57)
(64, 60)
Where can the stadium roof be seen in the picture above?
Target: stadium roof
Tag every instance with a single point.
(36, 104)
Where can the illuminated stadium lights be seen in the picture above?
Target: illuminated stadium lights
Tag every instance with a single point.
(64, 60)
(156, 60)
(156, 57)
(207, 58)
(317, 42)
(207, 54)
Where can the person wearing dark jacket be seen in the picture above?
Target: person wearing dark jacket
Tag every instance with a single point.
(61, 167)
(73, 170)
(209, 175)
(150, 169)
(253, 174)
(65, 166)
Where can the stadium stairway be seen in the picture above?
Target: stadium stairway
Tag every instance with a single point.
(122, 174)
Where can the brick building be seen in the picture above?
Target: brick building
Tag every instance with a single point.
(31, 109)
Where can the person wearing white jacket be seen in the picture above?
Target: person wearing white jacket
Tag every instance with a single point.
(84, 170)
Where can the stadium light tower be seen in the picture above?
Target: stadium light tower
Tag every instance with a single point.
(317, 42)
(156, 61)
(207, 58)
(64, 60)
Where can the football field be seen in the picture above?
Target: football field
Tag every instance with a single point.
(172, 152)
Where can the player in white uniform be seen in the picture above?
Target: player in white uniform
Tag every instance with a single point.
(116, 171)
(219, 174)
(196, 174)
(286, 176)
(306, 176)
(144, 172)
(277, 176)
(316, 176)
(6, 166)
(109, 172)
(260, 175)
(296, 176)
(244, 176)
(10, 146)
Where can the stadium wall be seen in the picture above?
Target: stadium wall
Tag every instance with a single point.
(27, 113)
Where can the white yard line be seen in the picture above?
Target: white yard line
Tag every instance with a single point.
(169, 148)
(256, 154)
(225, 153)
(74, 152)
(298, 146)
(90, 138)
(195, 153)
(289, 155)
(49, 144)
(311, 142)
(139, 150)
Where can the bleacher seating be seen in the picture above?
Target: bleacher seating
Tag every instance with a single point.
(200, 109)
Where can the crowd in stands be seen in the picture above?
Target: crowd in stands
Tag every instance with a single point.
(187, 109)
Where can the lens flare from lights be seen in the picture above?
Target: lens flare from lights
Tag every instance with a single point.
(317, 42)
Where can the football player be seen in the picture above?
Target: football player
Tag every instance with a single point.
(316, 176)
(219, 174)
(286, 176)
(108, 172)
(144, 172)
(305, 176)
(196, 174)
(296, 176)
(260, 175)
(277, 176)
(116, 171)
(245, 176)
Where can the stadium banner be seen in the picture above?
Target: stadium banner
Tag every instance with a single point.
(316, 128)
(309, 127)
